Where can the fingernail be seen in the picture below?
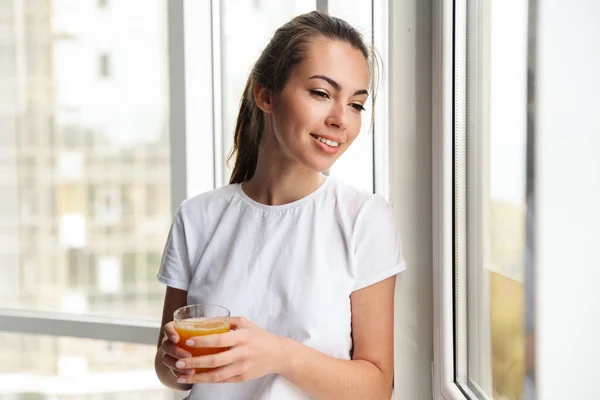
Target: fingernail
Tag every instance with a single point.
(190, 342)
(174, 339)
(180, 364)
(181, 380)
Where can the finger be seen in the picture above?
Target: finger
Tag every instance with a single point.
(215, 376)
(239, 323)
(228, 339)
(170, 332)
(213, 360)
(171, 362)
(174, 351)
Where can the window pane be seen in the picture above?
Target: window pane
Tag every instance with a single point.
(62, 368)
(84, 143)
(496, 198)
(507, 195)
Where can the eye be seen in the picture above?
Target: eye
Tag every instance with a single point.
(357, 107)
(319, 93)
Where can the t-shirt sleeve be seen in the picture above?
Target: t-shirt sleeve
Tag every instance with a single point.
(175, 270)
(377, 244)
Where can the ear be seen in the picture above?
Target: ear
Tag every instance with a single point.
(263, 98)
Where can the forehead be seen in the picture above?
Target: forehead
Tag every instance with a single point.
(336, 59)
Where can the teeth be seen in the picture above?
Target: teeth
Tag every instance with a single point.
(327, 141)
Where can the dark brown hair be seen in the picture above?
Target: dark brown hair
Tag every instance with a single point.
(286, 50)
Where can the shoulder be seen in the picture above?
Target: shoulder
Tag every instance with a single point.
(347, 196)
(359, 203)
(208, 203)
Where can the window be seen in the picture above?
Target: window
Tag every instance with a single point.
(59, 263)
(489, 200)
(86, 181)
(106, 188)
(70, 368)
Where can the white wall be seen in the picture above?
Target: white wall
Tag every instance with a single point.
(567, 199)
(410, 191)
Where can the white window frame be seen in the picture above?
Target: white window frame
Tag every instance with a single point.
(202, 111)
(444, 373)
(382, 112)
(472, 339)
(112, 329)
(216, 34)
(460, 248)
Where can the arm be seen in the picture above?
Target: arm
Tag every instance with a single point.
(369, 375)
(174, 299)
(254, 352)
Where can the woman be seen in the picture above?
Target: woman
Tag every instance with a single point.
(308, 261)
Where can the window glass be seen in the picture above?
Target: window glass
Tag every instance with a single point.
(490, 306)
(74, 208)
(63, 368)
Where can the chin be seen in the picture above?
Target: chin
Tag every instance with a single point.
(319, 166)
(317, 162)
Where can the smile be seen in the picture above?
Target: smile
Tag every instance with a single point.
(328, 142)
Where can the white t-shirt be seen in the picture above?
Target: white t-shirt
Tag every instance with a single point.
(289, 268)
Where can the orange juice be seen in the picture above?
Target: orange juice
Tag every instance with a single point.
(192, 327)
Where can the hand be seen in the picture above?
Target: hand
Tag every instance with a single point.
(171, 352)
(253, 353)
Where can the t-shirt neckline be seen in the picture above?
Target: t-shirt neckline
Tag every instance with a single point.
(286, 206)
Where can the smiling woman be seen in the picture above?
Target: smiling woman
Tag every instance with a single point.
(335, 71)
(305, 262)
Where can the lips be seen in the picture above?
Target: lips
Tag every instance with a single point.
(326, 145)
(328, 136)
(328, 142)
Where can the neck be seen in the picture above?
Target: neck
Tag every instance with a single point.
(280, 180)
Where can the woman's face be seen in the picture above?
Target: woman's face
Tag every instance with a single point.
(317, 115)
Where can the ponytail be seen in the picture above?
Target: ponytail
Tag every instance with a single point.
(248, 136)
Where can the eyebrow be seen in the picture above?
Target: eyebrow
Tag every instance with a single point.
(336, 85)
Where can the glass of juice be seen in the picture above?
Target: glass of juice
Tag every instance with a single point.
(200, 320)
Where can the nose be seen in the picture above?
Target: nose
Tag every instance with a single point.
(337, 117)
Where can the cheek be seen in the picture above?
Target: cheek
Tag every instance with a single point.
(294, 120)
(281, 123)
(354, 128)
